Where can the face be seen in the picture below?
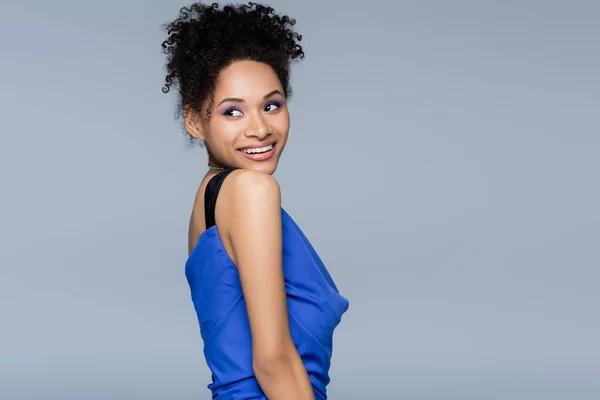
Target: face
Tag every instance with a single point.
(249, 121)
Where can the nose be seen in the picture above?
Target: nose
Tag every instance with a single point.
(257, 126)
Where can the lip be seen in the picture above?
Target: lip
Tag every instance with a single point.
(257, 145)
(262, 156)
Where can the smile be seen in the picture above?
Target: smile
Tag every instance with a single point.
(257, 150)
(259, 153)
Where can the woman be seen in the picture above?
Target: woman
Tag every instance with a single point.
(266, 305)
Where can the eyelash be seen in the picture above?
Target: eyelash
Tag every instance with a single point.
(226, 112)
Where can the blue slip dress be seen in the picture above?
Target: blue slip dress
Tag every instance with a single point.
(315, 307)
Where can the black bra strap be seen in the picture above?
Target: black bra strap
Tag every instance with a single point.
(210, 195)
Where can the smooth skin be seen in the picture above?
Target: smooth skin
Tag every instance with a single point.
(248, 107)
(248, 216)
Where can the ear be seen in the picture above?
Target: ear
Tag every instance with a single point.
(191, 121)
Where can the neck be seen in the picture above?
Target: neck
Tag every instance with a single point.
(213, 163)
(213, 168)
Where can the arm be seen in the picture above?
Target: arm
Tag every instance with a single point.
(255, 234)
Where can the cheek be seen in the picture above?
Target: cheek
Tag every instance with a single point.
(282, 123)
(223, 131)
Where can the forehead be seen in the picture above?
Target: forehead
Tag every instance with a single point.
(246, 79)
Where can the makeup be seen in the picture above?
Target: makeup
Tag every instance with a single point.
(260, 156)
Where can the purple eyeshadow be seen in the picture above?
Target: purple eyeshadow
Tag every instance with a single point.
(225, 111)
(228, 109)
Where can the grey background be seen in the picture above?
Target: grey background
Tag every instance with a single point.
(443, 160)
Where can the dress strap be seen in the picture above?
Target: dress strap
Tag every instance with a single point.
(210, 196)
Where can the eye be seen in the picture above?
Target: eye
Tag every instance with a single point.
(273, 106)
(232, 112)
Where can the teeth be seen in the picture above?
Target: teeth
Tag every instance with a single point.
(257, 150)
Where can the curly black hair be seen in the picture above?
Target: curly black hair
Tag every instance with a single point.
(205, 39)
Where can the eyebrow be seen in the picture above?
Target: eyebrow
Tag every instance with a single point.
(237, 100)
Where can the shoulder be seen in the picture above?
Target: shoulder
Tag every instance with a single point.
(249, 214)
(246, 185)
(244, 179)
(245, 196)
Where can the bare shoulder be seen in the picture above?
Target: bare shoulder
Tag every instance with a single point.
(246, 189)
(244, 183)
(249, 208)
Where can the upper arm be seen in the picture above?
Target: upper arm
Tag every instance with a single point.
(255, 233)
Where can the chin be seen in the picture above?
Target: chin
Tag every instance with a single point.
(265, 168)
